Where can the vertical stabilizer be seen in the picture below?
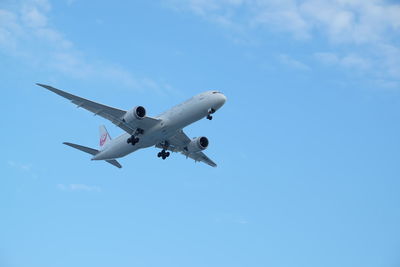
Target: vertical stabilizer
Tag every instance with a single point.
(104, 136)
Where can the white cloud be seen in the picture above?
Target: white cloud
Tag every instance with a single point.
(79, 187)
(27, 167)
(392, 58)
(279, 15)
(348, 61)
(26, 33)
(292, 63)
(351, 21)
(361, 33)
(33, 17)
(341, 20)
(327, 57)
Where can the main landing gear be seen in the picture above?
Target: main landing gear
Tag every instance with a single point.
(163, 154)
(210, 111)
(134, 139)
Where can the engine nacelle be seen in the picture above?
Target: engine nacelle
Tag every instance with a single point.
(137, 113)
(197, 144)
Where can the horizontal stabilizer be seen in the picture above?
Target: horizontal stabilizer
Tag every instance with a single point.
(115, 163)
(88, 150)
(93, 152)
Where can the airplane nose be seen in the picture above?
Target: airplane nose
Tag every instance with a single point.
(223, 99)
(220, 100)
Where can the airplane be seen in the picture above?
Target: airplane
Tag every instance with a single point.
(164, 131)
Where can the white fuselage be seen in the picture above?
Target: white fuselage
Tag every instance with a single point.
(171, 121)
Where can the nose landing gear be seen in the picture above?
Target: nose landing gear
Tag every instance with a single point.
(210, 111)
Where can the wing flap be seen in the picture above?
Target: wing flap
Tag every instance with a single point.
(200, 156)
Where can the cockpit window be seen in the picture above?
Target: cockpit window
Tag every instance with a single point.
(216, 92)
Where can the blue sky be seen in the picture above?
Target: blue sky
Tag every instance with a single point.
(307, 143)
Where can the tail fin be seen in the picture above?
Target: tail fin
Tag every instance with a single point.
(104, 136)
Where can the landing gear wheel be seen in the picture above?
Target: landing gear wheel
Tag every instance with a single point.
(210, 111)
(132, 140)
(163, 154)
(135, 141)
(139, 131)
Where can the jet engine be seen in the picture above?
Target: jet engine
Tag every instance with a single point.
(137, 113)
(197, 144)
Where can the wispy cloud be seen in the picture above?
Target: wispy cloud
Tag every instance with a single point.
(23, 167)
(26, 32)
(354, 21)
(348, 61)
(79, 188)
(361, 33)
(27, 167)
(242, 221)
(293, 63)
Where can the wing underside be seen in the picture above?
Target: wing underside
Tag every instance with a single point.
(112, 114)
(179, 142)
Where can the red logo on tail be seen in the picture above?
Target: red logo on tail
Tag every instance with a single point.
(103, 139)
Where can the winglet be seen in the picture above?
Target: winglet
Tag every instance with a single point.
(43, 85)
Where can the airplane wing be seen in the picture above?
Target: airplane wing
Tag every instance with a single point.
(178, 142)
(112, 114)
